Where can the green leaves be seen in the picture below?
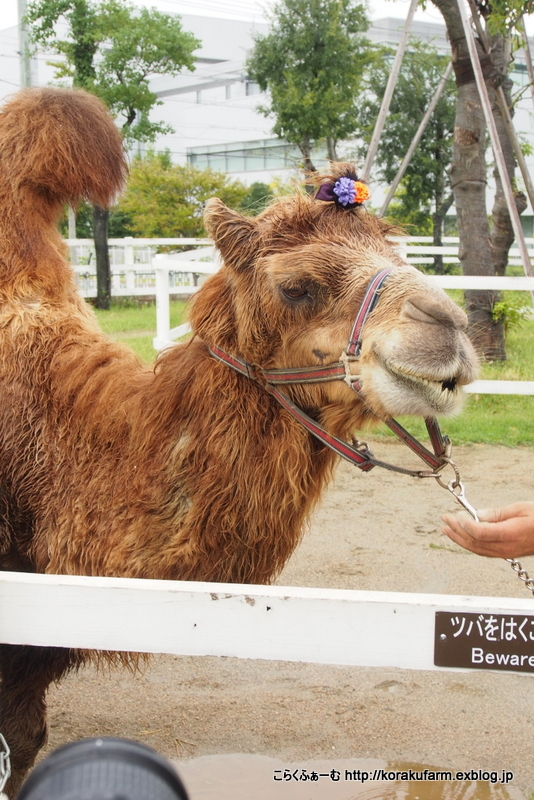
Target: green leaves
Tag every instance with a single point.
(502, 16)
(166, 200)
(312, 63)
(80, 47)
(425, 184)
(111, 48)
(149, 43)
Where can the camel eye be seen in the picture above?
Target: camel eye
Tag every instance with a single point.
(293, 293)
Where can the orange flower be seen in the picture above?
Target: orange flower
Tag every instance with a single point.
(362, 192)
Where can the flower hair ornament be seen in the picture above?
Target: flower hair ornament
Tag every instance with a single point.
(345, 192)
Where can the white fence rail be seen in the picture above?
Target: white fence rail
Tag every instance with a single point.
(420, 250)
(132, 265)
(323, 626)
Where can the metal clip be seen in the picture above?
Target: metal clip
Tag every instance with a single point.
(455, 485)
(456, 488)
(361, 447)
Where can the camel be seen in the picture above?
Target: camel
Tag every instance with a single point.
(189, 469)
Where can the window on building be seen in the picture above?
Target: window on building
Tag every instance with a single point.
(254, 156)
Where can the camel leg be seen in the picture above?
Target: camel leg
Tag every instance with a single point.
(26, 672)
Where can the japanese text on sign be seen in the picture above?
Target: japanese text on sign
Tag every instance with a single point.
(484, 641)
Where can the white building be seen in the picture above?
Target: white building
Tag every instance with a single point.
(213, 110)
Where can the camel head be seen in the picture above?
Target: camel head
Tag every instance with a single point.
(287, 296)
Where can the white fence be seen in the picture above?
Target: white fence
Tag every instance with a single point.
(420, 250)
(132, 265)
(134, 261)
(323, 626)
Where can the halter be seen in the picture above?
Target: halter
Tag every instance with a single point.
(357, 453)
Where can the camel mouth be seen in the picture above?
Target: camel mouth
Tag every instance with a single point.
(449, 385)
(406, 392)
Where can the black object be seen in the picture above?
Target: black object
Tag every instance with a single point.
(103, 769)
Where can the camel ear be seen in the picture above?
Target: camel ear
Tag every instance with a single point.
(235, 236)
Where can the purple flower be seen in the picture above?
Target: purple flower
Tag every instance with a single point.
(345, 190)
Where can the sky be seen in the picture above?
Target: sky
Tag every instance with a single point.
(241, 9)
(253, 10)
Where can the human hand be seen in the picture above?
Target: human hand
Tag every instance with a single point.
(506, 532)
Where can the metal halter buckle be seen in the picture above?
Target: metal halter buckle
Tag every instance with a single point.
(347, 361)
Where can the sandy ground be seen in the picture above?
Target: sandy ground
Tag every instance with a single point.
(377, 531)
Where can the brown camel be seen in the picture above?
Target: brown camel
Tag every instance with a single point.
(187, 470)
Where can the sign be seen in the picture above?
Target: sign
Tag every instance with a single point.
(484, 641)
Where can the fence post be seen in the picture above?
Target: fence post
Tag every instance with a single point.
(72, 235)
(129, 262)
(163, 326)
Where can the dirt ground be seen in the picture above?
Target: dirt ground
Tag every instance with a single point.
(377, 531)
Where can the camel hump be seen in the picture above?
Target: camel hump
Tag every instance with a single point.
(63, 145)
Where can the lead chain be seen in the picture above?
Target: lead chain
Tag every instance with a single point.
(456, 488)
(5, 766)
(522, 574)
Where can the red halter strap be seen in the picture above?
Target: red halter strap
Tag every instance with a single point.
(368, 303)
(357, 453)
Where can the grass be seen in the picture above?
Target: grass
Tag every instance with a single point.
(490, 419)
(135, 324)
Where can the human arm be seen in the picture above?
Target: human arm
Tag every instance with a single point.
(506, 532)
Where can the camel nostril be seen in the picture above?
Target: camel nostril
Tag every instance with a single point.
(434, 311)
(448, 385)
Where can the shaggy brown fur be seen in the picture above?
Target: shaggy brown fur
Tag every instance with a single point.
(188, 470)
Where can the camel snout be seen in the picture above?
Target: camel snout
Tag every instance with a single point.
(434, 310)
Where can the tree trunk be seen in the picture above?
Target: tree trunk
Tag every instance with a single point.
(103, 269)
(502, 233)
(468, 181)
(306, 148)
(331, 149)
(439, 214)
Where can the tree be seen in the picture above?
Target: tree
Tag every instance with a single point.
(483, 251)
(163, 199)
(425, 189)
(424, 196)
(258, 197)
(119, 224)
(312, 63)
(112, 49)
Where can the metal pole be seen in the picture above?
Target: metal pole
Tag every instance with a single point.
(392, 80)
(528, 56)
(24, 47)
(495, 143)
(416, 139)
(525, 174)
